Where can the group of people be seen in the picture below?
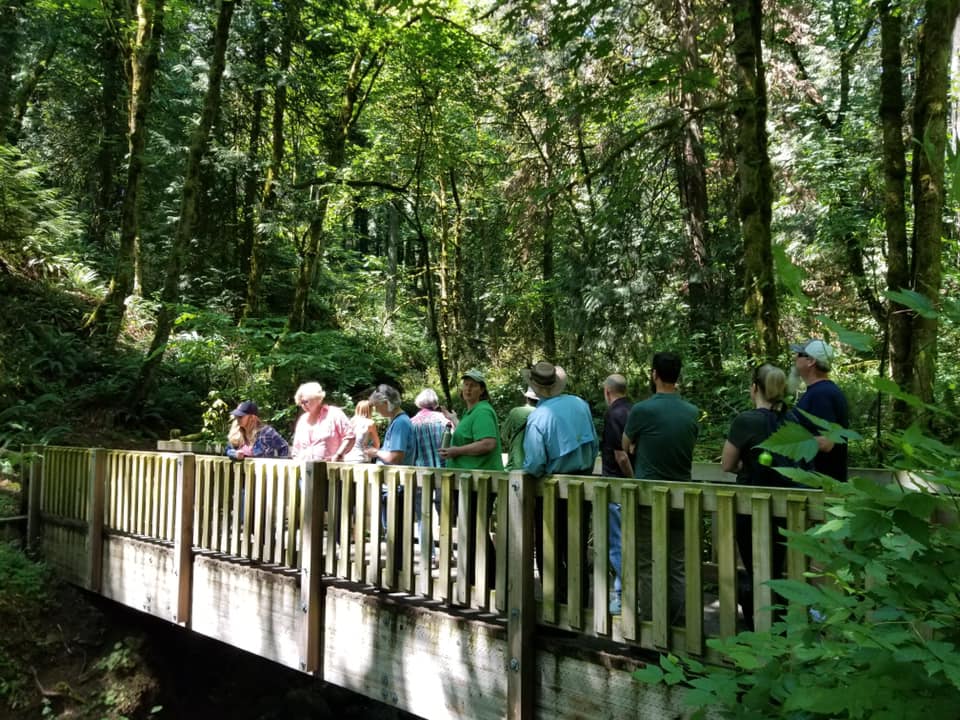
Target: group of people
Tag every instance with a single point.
(553, 433)
(323, 431)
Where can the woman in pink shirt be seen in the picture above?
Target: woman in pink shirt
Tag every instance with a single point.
(323, 431)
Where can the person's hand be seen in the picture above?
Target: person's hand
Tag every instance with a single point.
(447, 453)
(370, 454)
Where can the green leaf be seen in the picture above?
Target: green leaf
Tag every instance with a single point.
(650, 674)
(917, 302)
(857, 340)
(793, 441)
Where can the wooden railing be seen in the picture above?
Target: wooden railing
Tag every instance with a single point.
(254, 511)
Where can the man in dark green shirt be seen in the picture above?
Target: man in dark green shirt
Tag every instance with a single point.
(662, 431)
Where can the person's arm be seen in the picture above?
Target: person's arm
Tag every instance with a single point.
(623, 462)
(348, 438)
(387, 457)
(478, 447)
(374, 436)
(730, 457)
(627, 444)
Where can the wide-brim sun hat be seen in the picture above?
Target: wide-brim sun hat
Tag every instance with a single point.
(546, 379)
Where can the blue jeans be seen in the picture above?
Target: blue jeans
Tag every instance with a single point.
(615, 552)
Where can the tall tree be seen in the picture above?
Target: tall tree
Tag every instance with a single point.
(755, 176)
(915, 262)
(10, 12)
(262, 216)
(107, 319)
(170, 295)
(692, 174)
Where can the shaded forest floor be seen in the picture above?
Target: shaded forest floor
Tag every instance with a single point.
(68, 654)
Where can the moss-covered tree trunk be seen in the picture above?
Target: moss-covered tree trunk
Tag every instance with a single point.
(336, 156)
(894, 198)
(268, 194)
(692, 181)
(113, 63)
(251, 176)
(930, 134)
(9, 44)
(755, 177)
(170, 295)
(107, 320)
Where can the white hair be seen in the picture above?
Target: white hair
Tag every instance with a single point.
(308, 391)
(427, 399)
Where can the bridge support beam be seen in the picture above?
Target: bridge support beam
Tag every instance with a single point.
(314, 476)
(34, 494)
(521, 618)
(96, 493)
(183, 536)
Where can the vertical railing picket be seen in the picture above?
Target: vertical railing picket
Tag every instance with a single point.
(183, 536)
(521, 618)
(311, 589)
(660, 571)
(426, 531)
(94, 516)
(726, 560)
(601, 557)
(693, 563)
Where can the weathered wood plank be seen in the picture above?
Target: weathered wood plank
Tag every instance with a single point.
(660, 572)
(311, 616)
(693, 564)
(724, 538)
(601, 558)
(521, 619)
(183, 536)
(96, 498)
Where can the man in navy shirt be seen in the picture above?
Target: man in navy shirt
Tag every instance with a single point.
(823, 399)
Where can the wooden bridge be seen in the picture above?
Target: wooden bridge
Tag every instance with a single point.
(291, 562)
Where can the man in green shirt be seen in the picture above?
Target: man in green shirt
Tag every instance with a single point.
(662, 431)
(512, 432)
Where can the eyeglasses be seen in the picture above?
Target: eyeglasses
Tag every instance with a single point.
(802, 354)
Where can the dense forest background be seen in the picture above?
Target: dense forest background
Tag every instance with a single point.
(202, 202)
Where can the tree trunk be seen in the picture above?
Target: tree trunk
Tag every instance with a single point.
(894, 206)
(393, 249)
(930, 131)
(9, 45)
(548, 307)
(336, 157)
(692, 179)
(170, 295)
(251, 176)
(268, 194)
(103, 215)
(107, 320)
(755, 177)
(27, 86)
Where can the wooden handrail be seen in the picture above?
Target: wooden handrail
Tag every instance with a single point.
(254, 511)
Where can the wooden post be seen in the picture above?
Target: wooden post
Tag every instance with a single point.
(311, 591)
(601, 558)
(183, 536)
(34, 491)
(522, 616)
(724, 538)
(95, 501)
(693, 562)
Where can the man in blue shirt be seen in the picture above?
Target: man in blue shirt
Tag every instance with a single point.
(823, 399)
(560, 439)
